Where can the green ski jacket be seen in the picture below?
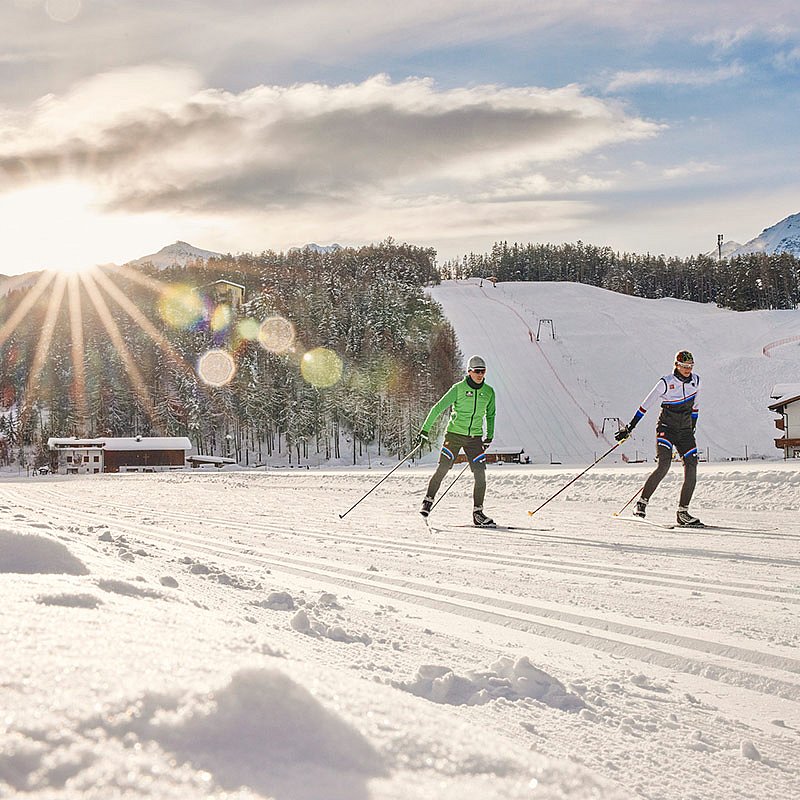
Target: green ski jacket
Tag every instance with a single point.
(470, 406)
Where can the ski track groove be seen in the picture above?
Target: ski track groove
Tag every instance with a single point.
(752, 590)
(513, 614)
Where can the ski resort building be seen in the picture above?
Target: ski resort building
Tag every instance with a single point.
(74, 456)
(501, 455)
(788, 406)
(224, 291)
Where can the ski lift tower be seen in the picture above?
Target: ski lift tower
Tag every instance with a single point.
(545, 322)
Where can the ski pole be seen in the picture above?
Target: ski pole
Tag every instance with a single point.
(450, 486)
(597, 461)
(638, 491)
(400, 463)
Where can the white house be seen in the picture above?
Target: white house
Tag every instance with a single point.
(787, 397)
(74, 456)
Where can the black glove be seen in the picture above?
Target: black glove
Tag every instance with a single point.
(623, 433)
(423, 438)
(486, 443)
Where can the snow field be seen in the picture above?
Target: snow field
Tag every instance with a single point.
(226, 635)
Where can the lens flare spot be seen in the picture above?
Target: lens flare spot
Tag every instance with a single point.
(216, 367)
(62, 10)
(276, 334)
(221, 318)
(321, 367)
(181, 307)
(248, 329)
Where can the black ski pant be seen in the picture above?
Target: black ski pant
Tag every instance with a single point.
(474, 450)
(683, 441)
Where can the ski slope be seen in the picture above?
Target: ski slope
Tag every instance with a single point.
(559, 397)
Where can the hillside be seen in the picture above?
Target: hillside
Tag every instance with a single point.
(609, 349)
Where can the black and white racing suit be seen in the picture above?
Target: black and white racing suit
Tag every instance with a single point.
(675, 429)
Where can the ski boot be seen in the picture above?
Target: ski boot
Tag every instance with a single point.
(427, 505)
(686, 520)
(641, 508)
(480, 520)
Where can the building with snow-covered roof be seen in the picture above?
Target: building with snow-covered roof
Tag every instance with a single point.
(501, 455)
(225, 291)
(787, 397)
(75, 456)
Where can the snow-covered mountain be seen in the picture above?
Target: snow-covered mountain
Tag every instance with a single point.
(599, 353)
(178, 254)
(10, 283)
(319, 248)
(784, 237)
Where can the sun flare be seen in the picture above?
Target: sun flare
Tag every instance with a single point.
(63, 226)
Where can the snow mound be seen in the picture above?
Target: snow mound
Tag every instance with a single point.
(262, 730)
(505, 679)
(70, 600)
(126, 589)
(31, 554)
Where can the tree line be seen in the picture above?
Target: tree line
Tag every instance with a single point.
(396, 351)
(743, 283)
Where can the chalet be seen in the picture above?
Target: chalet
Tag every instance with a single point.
(223, 291)
(74, 456)
(787, 397)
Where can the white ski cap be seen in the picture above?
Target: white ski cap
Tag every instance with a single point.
(476, 362)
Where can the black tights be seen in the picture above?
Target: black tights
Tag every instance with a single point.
(664, 462)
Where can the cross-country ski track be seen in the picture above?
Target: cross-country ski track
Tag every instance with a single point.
(670, 645)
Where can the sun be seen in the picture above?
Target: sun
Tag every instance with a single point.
(64, 226)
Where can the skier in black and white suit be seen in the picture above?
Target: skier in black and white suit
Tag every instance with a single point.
(678, 393)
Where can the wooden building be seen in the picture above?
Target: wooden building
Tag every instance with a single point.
(74, 456)
(787, 405)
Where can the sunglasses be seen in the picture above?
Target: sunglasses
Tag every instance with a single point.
(684, 364)
(479, 370)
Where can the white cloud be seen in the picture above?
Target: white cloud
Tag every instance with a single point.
(673, 77)
(688, 169)
(278, 146)
(788, 59)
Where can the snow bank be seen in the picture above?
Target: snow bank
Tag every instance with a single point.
(505, 678)
(29, 553)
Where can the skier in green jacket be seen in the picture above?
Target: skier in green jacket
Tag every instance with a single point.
(472, 399)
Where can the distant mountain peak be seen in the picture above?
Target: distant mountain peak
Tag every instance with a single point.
(319, 248)
(178, 254)
(783, 237)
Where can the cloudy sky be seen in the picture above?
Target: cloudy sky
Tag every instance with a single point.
(248, 125)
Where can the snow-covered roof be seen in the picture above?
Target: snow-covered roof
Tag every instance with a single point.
(116, 443)
(211, 460)
(782, 390)
(228, 283)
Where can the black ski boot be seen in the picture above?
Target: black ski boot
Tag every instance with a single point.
(686, 520)
(480, 520)
(641, 509)
(427, 505)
